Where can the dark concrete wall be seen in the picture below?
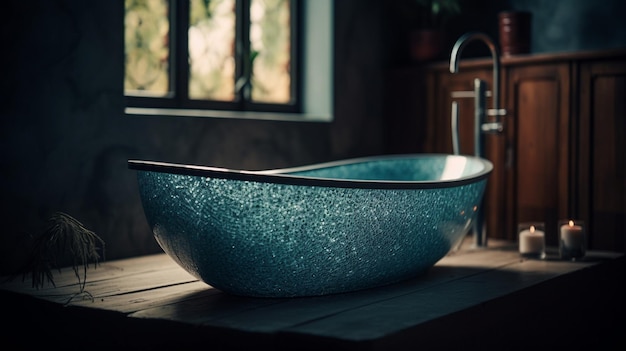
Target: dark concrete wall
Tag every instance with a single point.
(557, 25)
(65, 138)
(575, 25)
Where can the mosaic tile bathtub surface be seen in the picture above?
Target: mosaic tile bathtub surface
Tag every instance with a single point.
(314, 230)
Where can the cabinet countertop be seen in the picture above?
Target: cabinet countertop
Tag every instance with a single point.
(532, 58)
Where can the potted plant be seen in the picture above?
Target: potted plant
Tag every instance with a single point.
(427, 36)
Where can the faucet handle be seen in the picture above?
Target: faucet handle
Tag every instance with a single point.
(467, 94)
(496, 112)
(492, 127)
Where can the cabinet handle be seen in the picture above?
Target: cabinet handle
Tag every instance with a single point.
(508, 162)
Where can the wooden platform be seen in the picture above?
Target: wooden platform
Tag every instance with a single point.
(487, 298)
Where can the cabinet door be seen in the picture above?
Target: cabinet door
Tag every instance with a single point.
(538, 104)
(602, 145)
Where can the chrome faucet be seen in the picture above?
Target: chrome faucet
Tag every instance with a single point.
(480, 112)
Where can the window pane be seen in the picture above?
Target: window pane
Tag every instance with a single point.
(212, 50)
(147, 48)
(270, 36)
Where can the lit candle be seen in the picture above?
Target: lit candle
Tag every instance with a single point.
(572, 236)
(532, 242)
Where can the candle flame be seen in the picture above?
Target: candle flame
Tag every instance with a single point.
(571, 223)
(532, 228)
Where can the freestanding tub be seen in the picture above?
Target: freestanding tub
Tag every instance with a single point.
(314, 230)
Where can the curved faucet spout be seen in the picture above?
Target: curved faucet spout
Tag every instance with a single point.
(456, 53)
(480, 112)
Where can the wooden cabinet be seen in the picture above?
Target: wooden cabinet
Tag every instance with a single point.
(562, 153)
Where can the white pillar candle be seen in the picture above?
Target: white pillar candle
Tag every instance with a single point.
(572, 236)
(532, 241)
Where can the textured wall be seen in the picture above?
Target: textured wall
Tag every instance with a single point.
(557, 25)
(65, 139)
(574, 25)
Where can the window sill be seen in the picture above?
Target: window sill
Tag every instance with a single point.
(270, 116)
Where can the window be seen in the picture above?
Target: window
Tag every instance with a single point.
(227, 58)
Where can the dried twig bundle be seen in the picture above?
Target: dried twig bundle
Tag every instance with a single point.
(63, 238)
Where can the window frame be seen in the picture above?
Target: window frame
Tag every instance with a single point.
(177, 101)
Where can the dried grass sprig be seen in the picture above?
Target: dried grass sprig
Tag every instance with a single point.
(64, 238)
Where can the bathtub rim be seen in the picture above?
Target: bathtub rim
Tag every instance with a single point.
(283, 176)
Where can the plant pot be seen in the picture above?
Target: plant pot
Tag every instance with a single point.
(426, 44)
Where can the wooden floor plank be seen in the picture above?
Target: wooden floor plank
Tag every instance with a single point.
(142, 300)
(104, 270)
(155, 288)
(203, 309)
(387, 317)
(146, 283)
(108, 279)
(273, 315)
